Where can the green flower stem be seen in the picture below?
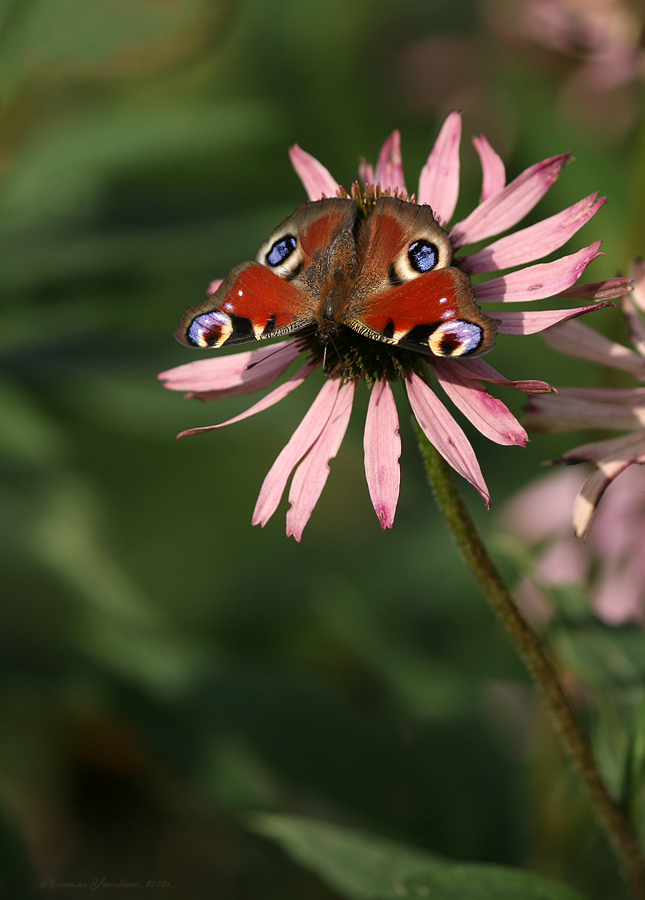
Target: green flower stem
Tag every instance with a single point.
(540, 666)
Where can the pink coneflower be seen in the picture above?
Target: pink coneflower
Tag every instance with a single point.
(318, 437)
(620, 409)
(611, 563)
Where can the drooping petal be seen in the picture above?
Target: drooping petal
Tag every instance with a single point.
(213, 286)
(579, 340)
(572, 409)
(365, 171)
(598, 290)
(444, 433)
(389, 168)
(312, 473)
(637, 272)
(488, 414)
(316, 179)
(628, 447)
(382, 445)
(301, 440)
(271, 399)
(635, 322)
(439, 181)
(535, 241)
(537, 282)
(479, 368)
(229, 376)
(493, 171)
(591, 491)
(506, 208)
(513, 322)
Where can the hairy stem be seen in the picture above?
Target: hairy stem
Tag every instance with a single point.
(540, 666)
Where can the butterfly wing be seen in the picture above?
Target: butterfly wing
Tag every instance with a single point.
(408, 292)
(279, 292)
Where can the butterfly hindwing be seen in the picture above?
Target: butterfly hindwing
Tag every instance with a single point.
(408, 293)
(278, 293)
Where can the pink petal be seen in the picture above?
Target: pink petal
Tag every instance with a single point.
(302, 439)
(543, 508)
(537, 282)
(598, 290)
(579, 340)
(488, 414)
(568, 410)
(389, 168)
(270, 400)
(636, 324)
(590, 493)
(618, 598)
(479, 368)
(312, 473)
(439, 182)
(506, 208)
(316, 179)
(229, 376)
(213, 286)
(532, 322)
(493, 171)
(637, 272)
(382, 446)
(535, 241)
(366, 171)
(444, 433)
(626, 448)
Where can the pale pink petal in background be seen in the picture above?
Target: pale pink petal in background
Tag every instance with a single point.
(439, 182)
(522, 322)
(488, 414)
(316, 179)
(382, 446)
(592, 490)
(389, 168)
(444, 433)
(579, 340)
(535, 241)
(637, 272)
(619, 596)
(301, 440)
(213, 286)
(565, 410)
(598, 290)
(544, 507)
(365, 171)
(311, 475)
(537, 282)
(493, 170)
(509, 206)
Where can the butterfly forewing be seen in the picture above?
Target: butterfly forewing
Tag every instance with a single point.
(408, 293)
(279, 293)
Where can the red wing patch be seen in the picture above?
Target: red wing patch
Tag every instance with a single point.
(252, 303)
(434, 313)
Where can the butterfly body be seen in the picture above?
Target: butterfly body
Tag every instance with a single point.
(387, 276)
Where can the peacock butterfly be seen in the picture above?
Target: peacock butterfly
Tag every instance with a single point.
(384, 270)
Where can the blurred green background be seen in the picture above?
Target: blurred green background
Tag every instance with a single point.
(164, 666)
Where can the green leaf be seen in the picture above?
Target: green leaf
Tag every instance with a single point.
(363, 866)
(355, 863)
(478, 882)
